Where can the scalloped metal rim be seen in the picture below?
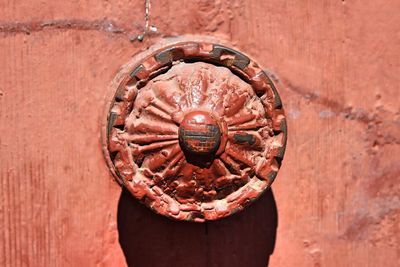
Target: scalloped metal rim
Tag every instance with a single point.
(191, 51)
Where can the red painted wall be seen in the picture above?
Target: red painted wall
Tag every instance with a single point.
(336, 64)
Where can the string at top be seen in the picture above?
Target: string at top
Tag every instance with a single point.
(147, 28)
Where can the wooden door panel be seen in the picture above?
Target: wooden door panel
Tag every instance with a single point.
(336, 67)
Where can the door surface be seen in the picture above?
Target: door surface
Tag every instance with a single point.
(335, 201)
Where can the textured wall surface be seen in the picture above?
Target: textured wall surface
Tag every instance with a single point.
(336, 65)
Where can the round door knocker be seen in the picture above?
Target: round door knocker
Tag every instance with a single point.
(195, 130)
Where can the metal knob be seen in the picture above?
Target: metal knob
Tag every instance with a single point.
(195, 130)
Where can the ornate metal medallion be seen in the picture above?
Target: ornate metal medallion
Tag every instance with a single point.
(195, 130)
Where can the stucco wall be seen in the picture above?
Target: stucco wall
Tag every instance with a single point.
(336, 64)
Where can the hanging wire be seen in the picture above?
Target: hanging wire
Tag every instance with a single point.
(147, 28)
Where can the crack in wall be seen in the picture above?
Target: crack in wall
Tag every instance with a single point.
(378, 134)
(349, 112)
(108, 26)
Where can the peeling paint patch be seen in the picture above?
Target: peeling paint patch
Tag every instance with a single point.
(324, 114)
(294, 113)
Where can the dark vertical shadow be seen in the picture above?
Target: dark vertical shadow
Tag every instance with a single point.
(246, 239)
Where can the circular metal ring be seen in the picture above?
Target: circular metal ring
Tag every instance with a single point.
(195, 130)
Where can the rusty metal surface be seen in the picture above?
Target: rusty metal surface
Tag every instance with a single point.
(195, 131)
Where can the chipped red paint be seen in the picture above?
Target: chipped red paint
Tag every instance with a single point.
(337, 192)
(199, 133)
(195, 130)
